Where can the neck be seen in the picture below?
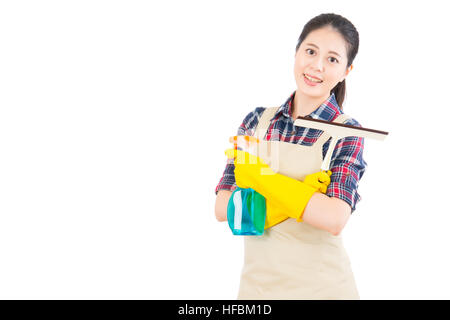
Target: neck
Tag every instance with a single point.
(304, 105)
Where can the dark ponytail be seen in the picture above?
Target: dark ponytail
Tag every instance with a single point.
(348, 32)
(339, 93)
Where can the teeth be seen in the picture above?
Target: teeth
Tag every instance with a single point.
(312, 79)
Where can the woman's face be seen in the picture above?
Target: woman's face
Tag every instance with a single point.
(321, 62)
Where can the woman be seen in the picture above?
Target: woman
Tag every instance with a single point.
(303, 256)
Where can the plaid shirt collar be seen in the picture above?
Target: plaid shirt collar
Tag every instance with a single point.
(327, 111)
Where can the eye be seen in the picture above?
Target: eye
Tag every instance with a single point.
(333, 60)
(310, 51)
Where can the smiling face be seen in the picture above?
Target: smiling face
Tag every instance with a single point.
(320, 63)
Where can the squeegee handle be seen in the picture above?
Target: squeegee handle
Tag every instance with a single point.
(326, 161)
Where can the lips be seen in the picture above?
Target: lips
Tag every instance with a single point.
(312, 78)
(310, 81)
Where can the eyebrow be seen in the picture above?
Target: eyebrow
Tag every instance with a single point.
(313, 45)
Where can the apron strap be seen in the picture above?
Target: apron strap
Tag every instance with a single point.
(264, 122)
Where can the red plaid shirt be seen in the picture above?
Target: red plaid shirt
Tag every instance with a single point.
(347, 163)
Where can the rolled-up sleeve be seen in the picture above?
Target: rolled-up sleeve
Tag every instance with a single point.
(347, 166)
(228, 182)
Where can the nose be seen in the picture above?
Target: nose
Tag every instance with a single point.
(318, 64)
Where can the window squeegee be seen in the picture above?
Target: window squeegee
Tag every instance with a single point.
(338, 131)
(245, 218)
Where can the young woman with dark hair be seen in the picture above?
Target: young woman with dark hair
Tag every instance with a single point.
(301, 256)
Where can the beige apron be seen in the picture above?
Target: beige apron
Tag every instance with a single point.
(294, 260)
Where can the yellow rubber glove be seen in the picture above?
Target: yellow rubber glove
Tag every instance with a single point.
(274, 215)
(318, 180)
(284, 195)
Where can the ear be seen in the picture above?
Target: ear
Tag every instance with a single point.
(347, 72)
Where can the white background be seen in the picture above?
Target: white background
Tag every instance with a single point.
(115, 115)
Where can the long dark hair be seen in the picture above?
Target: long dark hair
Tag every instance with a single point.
(347, 30)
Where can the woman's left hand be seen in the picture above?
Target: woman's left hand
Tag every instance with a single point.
(319, 180)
